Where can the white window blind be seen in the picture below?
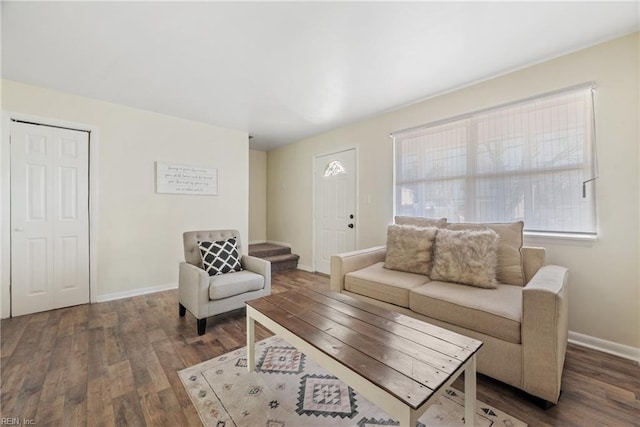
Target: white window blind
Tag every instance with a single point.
(533, 161)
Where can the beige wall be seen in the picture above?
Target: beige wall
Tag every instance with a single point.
(139, 235)
(257, 196)
(605, 279)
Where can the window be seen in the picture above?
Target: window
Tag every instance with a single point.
(533, 161)
(334, 168)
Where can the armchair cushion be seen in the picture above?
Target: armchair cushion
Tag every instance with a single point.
(220, 257)
(227, 285)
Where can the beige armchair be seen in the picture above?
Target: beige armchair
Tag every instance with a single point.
(205, 295)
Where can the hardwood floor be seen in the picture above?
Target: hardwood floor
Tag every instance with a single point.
(115, 363)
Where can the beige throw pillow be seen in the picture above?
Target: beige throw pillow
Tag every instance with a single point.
(420, 221)
(467, 257)
(510, 269)
(409, 248)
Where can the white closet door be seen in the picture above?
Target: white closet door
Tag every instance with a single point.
(49, 218)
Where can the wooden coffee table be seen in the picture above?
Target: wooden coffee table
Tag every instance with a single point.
(397, 362)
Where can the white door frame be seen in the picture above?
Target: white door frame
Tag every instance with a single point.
(313, 195)
(5, 202)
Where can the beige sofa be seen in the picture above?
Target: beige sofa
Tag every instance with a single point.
(524, 328)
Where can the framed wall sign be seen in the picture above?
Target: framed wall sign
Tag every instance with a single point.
(184, 179)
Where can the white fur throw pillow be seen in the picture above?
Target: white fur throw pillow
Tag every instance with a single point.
(509, 269)
(409, 248)
(467, 257)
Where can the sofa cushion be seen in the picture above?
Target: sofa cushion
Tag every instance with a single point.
(510, 270)
(228, 285)
(466, 256)
(409, 248)
(419, 221)
(386, 285)
(496, 312)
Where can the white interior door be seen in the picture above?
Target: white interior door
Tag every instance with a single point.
(335, 194)
(49, 218)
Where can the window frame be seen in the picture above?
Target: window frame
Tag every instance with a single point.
(471, 122)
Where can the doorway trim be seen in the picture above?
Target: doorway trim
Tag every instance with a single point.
(313, 198)
(5, 202)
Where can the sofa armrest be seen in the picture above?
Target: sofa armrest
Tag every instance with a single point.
(347, 262)
(533, 258)
(258, 266)
(545, 326)
(193, 289)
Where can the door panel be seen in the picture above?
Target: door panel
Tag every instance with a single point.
(37, 266)
(68, 193)
(68, 262)
(49, 218)
(335, 189)
(31, 219)
(36, 187)
(71, 226)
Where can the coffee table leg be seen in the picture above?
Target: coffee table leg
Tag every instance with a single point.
(470, 392)
(410, 418)
(251, 353)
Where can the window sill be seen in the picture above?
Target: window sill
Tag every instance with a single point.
(572, 237)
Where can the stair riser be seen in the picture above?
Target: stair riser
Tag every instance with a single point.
(281, 266)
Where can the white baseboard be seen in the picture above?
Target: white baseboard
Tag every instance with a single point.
(257, 242)
(605, 346)
(135, 292)
(305, 268)
(273, 242)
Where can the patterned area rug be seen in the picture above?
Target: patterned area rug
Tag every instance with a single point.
(290, 390)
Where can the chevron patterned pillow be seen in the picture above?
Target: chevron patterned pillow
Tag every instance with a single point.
(220, 257)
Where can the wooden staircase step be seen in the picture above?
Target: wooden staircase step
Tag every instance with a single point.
(280, 257)
(283, 262)
(264, 250)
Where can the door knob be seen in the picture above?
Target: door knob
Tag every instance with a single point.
(350, 225)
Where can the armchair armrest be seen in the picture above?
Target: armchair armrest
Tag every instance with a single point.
(347, 262)
(258, 266)
(545, 325)
(193, 289)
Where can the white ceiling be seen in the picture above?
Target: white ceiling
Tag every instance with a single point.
(286, 71)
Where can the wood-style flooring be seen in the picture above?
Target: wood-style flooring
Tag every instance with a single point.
(115, 363)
